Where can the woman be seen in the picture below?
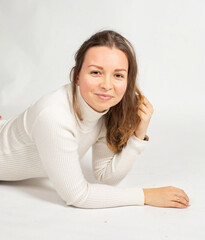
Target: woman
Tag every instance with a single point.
(102, 107)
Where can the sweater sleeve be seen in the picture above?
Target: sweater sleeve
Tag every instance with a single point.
(55, 139)
(110, 168)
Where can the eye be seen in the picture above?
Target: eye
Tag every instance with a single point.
(93, 72)
(121, 76)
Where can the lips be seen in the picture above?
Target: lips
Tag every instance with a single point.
(104, 96)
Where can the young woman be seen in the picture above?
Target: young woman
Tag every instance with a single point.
(102, 107)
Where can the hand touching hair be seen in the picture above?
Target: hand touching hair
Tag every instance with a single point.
(144, 111)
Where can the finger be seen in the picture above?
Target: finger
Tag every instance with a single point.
(143, 109)
(148, 105)
(185, 197)
(183, 194)
(143, 99)
(183, 201)
(141, 114)
(146, 101)
(177, 205)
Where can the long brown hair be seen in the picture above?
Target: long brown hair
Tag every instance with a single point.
(121, 120)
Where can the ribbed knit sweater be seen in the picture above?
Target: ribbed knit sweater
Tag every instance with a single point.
(46, 141)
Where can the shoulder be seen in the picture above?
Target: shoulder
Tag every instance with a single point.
(59, 97)
(55, 107)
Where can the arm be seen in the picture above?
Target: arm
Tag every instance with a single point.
(58, 149)
(111, 168)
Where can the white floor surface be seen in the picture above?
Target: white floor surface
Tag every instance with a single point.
(31, 209)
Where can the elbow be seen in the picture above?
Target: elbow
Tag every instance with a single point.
(100, 178)
(109, 180)
(77, 196)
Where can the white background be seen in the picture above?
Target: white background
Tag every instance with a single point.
(38, 40)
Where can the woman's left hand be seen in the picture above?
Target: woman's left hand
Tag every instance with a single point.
(145, 112)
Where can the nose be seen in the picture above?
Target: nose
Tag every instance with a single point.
(106, 83)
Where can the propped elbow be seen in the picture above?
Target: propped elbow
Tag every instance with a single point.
(109, 180)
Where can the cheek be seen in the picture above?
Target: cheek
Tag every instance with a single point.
(121, 89)
(89, 83)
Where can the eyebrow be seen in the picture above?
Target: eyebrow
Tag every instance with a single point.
(120, 69)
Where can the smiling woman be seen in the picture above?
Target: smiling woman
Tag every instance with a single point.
(102, 107)
(105, 85)
(106, 71)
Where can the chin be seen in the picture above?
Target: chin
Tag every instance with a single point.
(101, 110)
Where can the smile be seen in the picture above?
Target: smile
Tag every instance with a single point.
(102, 97)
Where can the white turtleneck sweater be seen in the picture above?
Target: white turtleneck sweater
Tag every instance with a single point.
(46, 141)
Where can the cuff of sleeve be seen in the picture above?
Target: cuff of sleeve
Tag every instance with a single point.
(140, 196)
(146, 138)
(134, 196)
(137, 143)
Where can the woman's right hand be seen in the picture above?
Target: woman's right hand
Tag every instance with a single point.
(166, 197)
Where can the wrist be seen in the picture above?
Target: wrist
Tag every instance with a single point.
(142, 136)
(146, 195)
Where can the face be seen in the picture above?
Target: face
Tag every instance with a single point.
(103, 77)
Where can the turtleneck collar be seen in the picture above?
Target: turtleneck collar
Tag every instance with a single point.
(88, 114)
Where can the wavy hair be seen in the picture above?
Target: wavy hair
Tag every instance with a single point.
(121, 120)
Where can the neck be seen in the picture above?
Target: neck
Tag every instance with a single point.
(88, 113)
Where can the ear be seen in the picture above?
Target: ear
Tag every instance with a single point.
(77, 78)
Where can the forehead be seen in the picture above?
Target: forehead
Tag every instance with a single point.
(106, 56)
